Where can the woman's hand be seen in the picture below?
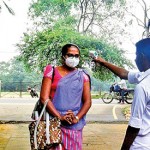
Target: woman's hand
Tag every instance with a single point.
(73, 117)
(69, 117)
(74, 121)
(66, 118)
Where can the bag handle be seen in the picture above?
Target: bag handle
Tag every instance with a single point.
(53, 74)
(37, 123)
(42, 112)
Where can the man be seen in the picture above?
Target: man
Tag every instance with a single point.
(138, 132)
(123, 87)
(120, 87)
(116, 87)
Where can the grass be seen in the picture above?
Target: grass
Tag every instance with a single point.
(127, 112)
(96, 94)
(14, 94)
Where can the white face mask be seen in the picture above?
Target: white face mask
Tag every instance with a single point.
(72, 62)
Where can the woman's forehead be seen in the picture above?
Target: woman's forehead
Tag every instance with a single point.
(73, 49)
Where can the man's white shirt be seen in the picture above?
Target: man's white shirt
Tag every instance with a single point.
(140, 110)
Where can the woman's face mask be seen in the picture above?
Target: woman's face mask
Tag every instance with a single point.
(72, 61)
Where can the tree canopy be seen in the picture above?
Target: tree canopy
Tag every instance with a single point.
(99, 18)
(14, 71)
(14, 77)
(58, 22)
(141, 15)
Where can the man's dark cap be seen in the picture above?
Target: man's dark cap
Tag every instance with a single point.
(143, 45)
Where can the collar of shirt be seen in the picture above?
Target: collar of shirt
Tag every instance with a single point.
(143, 75)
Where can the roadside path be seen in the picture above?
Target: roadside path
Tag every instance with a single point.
(96, 136)
(21, 110)
(105, 127)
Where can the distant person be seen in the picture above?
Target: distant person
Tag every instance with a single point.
(32, 92)
(115, 87)
(138, 132)
(123, 88)
(120, 87)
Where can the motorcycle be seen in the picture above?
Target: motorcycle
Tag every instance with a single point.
(32, 92)
(116, 94)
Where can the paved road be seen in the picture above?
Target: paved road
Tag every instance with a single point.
(96, 136)
(20, 109)
(33, 100)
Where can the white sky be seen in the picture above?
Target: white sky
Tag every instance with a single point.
(12, 27)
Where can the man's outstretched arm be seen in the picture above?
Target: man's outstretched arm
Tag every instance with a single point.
(121, 72)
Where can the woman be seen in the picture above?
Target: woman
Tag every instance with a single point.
(70, 96)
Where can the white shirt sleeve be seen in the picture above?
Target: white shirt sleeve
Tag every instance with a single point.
(133, 77)
(138, 107)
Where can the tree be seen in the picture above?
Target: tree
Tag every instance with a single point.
(8, 8)
(57, 24)
(4, 71)
(42, 48)
(99, 18)
(141, 14)
(12, 74)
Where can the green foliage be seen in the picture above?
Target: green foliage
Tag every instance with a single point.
(63, 7)
(42, 48)
(89, 15)
(14, 72)
(70, 21)
(52, 7)
(111, 2)
(98, 85)
(14, 77)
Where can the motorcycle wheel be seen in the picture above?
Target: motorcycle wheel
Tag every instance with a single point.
(107, 98)
(129, 98)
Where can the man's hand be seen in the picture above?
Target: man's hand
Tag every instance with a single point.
(120, 72)
(99, 60)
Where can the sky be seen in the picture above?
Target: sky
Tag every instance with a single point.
(12, 27)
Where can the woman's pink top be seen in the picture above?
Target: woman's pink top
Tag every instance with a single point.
(48, 71)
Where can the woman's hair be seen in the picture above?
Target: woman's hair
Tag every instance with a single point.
(65, 48)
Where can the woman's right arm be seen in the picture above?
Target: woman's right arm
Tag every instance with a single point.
(44, 95)
(121, 72)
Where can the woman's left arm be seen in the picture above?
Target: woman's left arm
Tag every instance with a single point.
(86, 98)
